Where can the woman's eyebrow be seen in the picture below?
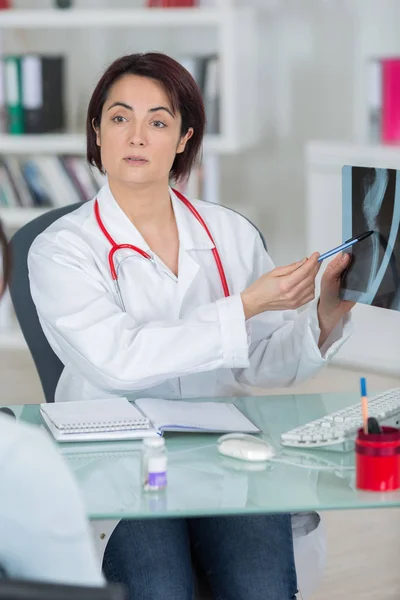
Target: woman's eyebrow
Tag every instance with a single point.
(151, 110)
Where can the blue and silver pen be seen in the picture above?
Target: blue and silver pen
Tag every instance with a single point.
(345, 245)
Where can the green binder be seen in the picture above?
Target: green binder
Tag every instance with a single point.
(13, 95)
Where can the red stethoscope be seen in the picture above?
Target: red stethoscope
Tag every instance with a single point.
(115, 247)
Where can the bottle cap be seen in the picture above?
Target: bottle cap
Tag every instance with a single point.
(154, 442)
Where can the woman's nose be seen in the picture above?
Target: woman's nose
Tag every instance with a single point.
(138, 136)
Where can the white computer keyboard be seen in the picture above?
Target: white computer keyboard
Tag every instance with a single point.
(337, 431)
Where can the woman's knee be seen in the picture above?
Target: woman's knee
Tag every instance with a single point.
(247, 557)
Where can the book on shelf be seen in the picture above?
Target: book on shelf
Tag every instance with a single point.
(2, 98)
(52, 181)
(46, 181)
(33, 90)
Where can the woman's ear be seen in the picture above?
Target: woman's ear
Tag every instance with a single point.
(96, 129)
(183, 141)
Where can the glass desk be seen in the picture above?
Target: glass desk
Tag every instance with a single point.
(202, 482)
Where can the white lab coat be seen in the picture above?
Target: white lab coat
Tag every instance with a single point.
(179, 337)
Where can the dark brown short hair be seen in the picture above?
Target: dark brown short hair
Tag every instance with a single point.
(183, 93)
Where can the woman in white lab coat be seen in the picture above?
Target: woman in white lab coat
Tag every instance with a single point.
(193, 308)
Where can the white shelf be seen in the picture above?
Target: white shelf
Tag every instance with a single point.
(322, 154)
(14, 218)
(118, 18)
(12, 340)
(68, 143)
(75, 143)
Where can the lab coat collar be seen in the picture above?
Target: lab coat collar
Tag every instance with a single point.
(192, 235)
(118, 225)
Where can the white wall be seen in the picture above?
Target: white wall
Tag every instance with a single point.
(306, 92)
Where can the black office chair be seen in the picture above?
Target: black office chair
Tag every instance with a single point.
(48, 365)
(16, 589)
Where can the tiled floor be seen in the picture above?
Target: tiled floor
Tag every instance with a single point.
(363, 546)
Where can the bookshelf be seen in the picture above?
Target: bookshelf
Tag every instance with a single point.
(233, 28)
(118, 17)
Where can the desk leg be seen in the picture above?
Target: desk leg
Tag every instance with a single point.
(101, 531)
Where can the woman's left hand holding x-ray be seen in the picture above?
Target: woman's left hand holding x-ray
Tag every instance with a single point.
(331, 307)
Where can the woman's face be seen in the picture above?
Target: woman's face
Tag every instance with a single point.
(139, 135)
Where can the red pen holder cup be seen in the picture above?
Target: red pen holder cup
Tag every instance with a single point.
(378, 460)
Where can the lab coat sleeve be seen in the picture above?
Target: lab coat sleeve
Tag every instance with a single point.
(86, 328)
(284, 344)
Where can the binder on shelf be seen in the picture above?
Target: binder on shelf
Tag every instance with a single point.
(3, 120)
(205, 71)
(43, 93)
(13, 95)
(391, 100)
(211, 94)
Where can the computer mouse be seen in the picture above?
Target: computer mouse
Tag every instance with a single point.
(245, 447)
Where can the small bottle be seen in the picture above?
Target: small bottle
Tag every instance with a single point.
(154, 464)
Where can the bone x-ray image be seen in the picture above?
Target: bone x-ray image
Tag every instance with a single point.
(371, 201)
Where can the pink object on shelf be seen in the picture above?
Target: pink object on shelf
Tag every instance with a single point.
(171, 3)
(391, 100)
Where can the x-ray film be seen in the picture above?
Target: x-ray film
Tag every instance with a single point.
(371, 201)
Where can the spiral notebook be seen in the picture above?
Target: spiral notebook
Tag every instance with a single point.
(116, 419)
(96, 420)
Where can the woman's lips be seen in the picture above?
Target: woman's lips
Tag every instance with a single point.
(136, 161)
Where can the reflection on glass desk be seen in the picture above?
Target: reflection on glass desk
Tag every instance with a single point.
(202, 482)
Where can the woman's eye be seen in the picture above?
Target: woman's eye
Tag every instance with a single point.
(118, 119)
(159, 124)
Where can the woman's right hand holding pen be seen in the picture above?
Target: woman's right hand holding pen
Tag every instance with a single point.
(283, 288)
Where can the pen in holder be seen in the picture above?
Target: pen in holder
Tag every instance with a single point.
(378, 460)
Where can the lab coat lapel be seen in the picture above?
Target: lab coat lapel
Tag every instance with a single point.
(193, 240)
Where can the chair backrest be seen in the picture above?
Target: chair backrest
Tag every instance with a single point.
(16, 589)
(47, 363)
